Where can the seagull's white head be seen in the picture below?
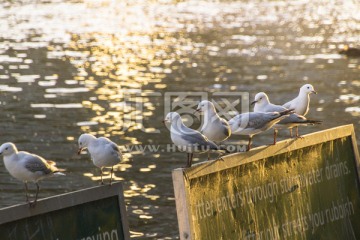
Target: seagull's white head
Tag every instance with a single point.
(261, 99)
(172, 117)
(84, 141)
(205, 106)
(8, 149)
(307, 89)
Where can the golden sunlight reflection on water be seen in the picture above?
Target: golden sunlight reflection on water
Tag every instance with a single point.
(104, 67)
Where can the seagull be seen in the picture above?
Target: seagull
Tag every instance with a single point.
(103, 152)
(187, 139)
(27, 167)
(262, 104)
(252, 123)
(300, 104)
(214, 127)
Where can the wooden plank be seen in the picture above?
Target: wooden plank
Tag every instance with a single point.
(49, 211)
(261, 193)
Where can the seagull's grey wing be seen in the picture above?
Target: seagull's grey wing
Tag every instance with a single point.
(35, 163)
(116, 151)
(294, 119)
(261, 120)
(107, 142)
(227, 129)
(110, 146)
(195, 137)
(274, 108)
(255, 120)
(115, 147)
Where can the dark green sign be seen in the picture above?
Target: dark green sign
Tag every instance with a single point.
(298, 189)
(95, 213)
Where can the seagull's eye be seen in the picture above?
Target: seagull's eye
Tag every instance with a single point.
(308, 87)
(80, 143)
(6, 148)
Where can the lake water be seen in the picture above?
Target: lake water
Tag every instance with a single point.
(113, 67)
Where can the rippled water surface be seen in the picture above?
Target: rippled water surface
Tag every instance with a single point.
(108, 66)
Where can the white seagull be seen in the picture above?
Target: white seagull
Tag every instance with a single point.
(262, 104)
(27, 167)
(253, 123)
(187, 139)
(214, 127)
(301, 103)
(103, 152)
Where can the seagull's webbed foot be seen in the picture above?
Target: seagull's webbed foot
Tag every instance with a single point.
(219, 158)
(297, 134)
(32, 204)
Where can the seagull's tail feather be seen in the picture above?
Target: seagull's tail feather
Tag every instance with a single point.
(59, 172)
(282, 115)
(312, 122)
(286, 112)
(51, 162)
(55, 170)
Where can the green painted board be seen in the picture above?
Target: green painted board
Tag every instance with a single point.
(95, 213)
(298, 189)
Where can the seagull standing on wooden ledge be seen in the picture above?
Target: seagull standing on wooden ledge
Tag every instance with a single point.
(188, 140)
(253, 123)
(263, 104)
(103, 152)
(301, 103)
(214, 127)
(27, 167)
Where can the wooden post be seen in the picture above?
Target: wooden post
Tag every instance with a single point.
(181, 204)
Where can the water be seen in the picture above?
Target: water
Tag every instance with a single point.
(111, 67)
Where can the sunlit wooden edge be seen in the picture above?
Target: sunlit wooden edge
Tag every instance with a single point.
(62, 201)
(262, 152)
